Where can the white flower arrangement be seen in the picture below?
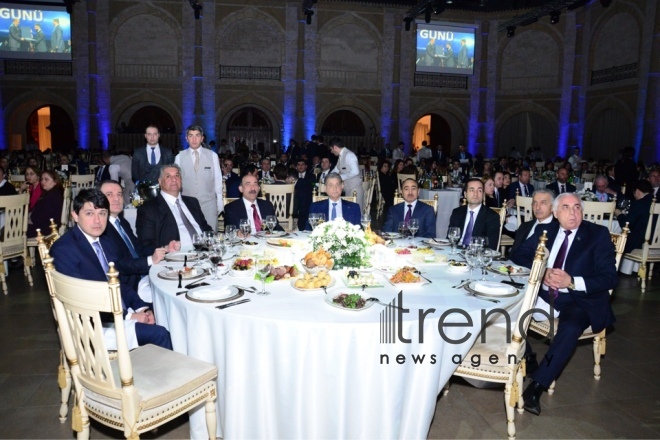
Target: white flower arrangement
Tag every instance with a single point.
(346, 242)
(587, 196)
(548, 176)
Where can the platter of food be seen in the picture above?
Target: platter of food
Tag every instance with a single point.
(242, 267)
(357, 279)
(274, 234)
(311, 283)
(454, 266)
(314, 262)
(348, 301)
(407, 276)
(187, 273)
(510, 269)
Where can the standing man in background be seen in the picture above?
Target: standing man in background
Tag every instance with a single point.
(349, 170)
(56, 38)
(201, 175)
(146, 163)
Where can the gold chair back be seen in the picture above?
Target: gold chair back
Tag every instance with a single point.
(281, 196)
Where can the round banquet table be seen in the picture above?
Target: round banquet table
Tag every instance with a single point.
(292, 366)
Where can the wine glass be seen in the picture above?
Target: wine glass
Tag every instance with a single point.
(403, 227)
(478, 241)
(271, 222)
(216, 258)
(472, 257)
(313, 219)
(198, 242)
(366, 221)
(245, 228)
(486, 260)
(209, 238)
(320, 219)
(454, 235)
(413, 227)
(263, 269)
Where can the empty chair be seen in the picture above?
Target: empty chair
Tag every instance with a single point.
(650, 251)
(596, 212)
(281, 196)
(82, 180)
(14, 236)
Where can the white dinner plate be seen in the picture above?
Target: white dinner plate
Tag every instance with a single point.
(212, 293)
(173, 275)
(329, 300)
(390, 235)
(275, 234)
(491, 289)
(457, 269)
(519, 271)
(438, 243)
(180, 256)
(242, 273)
(318, 289)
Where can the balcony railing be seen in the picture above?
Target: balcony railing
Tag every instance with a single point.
(23, 67)
(250, 72)
(446, 81)
(612, 74)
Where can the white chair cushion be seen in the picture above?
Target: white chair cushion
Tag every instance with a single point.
(636, 254)
(496, 344)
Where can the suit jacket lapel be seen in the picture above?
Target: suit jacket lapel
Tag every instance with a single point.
(86, 249)
(577, 247)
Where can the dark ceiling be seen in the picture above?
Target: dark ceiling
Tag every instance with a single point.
(464, 5)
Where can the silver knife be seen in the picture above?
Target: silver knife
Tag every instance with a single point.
(235, 303)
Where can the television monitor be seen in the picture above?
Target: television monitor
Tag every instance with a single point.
(35, 31)
(445, 49)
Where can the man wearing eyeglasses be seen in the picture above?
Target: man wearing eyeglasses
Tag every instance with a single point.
(581, 271)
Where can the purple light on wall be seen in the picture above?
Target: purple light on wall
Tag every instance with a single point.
(187, 110)
(3, 135)
(103, 104)
(562, 144)
(83, 128)
(473, 133)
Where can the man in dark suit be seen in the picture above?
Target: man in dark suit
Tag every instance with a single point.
(561, 185)
(169, 216)
(103, 171)
(581, 271)
(83, 252)
(137, 258)
(265, 171)
(475, 219)
(147, 161)
(303, 193)
(411, 208)
(522, 187)
(610, 173)
(65, 168)
(258, 209)
(654, 179)
(232, 180)
(542, 208)
(326, 167)
(499, 194)
(464, 157)
(6, 188)
(638, 215)
(456, 174)
(603, 192)
(334, 207)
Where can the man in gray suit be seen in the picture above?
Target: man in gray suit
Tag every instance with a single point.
(39, 39)
(56, 39)
(201, 175)
(147, 161)
(15, 36)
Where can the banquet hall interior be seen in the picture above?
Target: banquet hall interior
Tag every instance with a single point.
(538, 75)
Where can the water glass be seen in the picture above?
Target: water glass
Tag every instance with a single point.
(366, 221)
(413, 227)
(486, 259)
(271, 222)
(472, 257)
(454, 235)
(403, 227)
(263, 269)
(245, 228)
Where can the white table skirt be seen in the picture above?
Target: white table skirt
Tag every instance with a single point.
(130, 214)
(291, 366)
(448, 200)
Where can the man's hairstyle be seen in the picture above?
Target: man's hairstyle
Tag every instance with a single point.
(152, 126)
(246, 175)
(249, 169)
(644, 186)
(601, 178)
(333, 176)
(526, 169)
(544, 191)
(280, 171)
(557, 202)
(473, 179)
(301, 160)
(164, 167)
(108, 181)
(195, 128)
(93, 196)
(406, 180)
(336, 142)
(262, 160)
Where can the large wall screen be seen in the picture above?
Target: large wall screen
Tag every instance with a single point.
(445, 49)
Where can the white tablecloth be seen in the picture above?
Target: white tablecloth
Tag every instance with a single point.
(448, 200)
(130, 214)
(291, 366)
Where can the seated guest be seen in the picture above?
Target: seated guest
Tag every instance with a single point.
(506, 183)
(542, 208)
(638, 215)
(610, 173)
(654, 179)
(334, 207)
(169, 216)
(65, 168)
(136, 259)
(499, 193)
(6, 188)
(489, 192)
(32, 185)
(83, 252)
(249, 207)
(49, 204)
(265, 172)
(411, 208)
(474, 219)
(581, 271)
(232, 180)
(456, 174)
(388, 183)
(522, 188)
(561, 186)
(326, 167)
(603, 192)
(280, 174)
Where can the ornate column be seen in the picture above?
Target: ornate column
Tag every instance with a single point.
(82, 13)
(406, 82)
(209, 72)
(100, 76)
(289, 73)
(310, 78)
(387, 86)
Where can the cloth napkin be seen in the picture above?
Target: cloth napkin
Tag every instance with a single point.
(492, 288)
(210, 292)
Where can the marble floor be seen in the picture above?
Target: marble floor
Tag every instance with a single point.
(625, 403)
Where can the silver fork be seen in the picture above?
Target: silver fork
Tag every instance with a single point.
(248, 289)
(496, 301)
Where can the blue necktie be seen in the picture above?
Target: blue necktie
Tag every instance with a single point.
(333, 215)
(101, 256)
(127, 240)
(468, 232)
(153, 156)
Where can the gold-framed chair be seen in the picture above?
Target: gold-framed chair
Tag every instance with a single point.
(588, 177)
(318, 197)
(82, 180)
(33, 243)
(400, 177)
(433, 203)
(369, 194)
(141, 389)
(281, 196)
(545, 328)
(510, 367)
(14, 238)
(504, 240)
(595, 212)
(524, 209)
(588, 186)
(649, 253)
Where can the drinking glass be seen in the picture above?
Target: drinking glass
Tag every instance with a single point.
(313, 220)
(216, 258)
(486, 260)
(320, 219)
(271, 222)
(230, 234)
(366, 221)
(245, 228)
(209, 238)
(263, 269)
(454, 235)
(403, 227)
(413, 227)
(472, 257)
(198, 242)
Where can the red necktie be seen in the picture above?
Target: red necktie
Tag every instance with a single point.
(257, 220)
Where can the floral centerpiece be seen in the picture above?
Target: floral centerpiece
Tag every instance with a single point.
(587, 196)
(548, 176)
(347, 243)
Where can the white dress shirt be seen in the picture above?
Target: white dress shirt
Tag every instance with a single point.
(338, 210)
(467, 220)
(184, 236)
(542, 222)
(156, 152)
(250, 216)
